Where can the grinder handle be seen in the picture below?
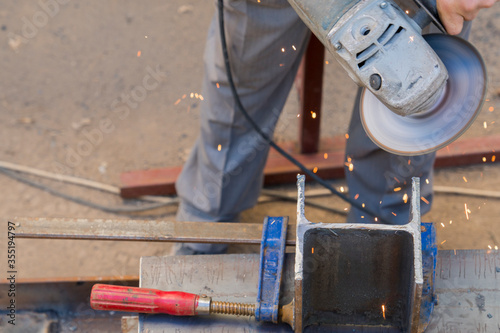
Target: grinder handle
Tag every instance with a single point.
(143, 300)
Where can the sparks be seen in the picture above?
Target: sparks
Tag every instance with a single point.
(325, 156)
(493, 158)
(424, 200)
(312, 250)
(347, 136)
(356, 196)
(217, 85)
(383, 311)
(177, 101)
(394, 214)
(442, 224)
(407, 11)
(315, 169)
(219, 147)
(191, 95)
(489, 247)
(351, 167)
(282, 49)
(484, 159)
(326, 62)
(294, 48)
(465, 179)
(397, 189)
(491, 109)
(485, 125)
(363, 205)
(138, 53)
(443, 242)
(451, 221)
(427, 181)
(145, 36)
(466, 211)
(496, 247)
(405, 198)
(313, 115)
(342, 189)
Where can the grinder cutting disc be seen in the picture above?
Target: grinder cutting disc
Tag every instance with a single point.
(451, 115)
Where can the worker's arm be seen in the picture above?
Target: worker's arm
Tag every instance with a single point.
(453, 13)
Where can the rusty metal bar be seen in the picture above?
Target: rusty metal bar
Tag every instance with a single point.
(143, 230)
(310, 92)
(330, 164)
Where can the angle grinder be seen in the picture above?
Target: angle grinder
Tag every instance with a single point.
(420, 92)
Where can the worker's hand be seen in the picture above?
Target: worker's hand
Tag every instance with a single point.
(453, 13)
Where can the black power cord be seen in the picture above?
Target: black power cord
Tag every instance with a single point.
(264, 136)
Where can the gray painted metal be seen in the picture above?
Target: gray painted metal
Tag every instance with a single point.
(467, 281)
(229, 278)
(468, 289)
(376, 37)
(143, 230)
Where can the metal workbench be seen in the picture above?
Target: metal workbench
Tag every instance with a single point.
(467, 285)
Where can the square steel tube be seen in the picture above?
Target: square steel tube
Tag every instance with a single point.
(362, 277)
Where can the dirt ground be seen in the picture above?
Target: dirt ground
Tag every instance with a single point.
(63, 74)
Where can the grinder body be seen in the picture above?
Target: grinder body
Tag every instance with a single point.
(383, 50)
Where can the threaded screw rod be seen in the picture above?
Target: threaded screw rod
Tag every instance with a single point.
(231, 308)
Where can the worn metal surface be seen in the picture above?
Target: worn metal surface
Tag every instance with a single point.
(468, 289)
(358, 276)
(130, 324)
(33, 322)
(272, 256)
(429, 257)
(60, 305)
(230, 278)
(463, 279)
(142, 230)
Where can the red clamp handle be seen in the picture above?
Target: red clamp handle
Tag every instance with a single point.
(142, 300)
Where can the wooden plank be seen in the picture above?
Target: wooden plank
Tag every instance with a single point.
(329, 163)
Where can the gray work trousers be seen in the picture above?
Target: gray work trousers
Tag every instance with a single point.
(224, 172)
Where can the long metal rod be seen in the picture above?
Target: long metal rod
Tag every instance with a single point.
(143, 230)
